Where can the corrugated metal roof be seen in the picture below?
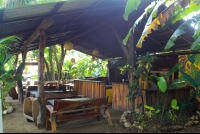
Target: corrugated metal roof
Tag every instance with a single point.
(76, 17)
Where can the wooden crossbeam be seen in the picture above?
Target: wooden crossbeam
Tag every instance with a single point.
(179, 36)
(47, 22)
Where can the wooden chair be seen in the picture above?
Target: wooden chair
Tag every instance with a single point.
(57, 106)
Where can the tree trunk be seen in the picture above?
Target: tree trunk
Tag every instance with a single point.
(51, 63)
(55, 55)
(15, 63)
(41, 119)
(47, 66)
(19, 82)
(61, 63)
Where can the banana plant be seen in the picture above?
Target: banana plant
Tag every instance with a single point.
(161, 81)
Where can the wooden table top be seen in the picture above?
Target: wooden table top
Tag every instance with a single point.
(72, 99)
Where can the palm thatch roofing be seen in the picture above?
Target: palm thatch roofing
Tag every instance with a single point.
(86, 23)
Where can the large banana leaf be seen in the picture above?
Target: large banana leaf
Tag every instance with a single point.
(131, 5)
(149, 25)
(174, 69)
(162, 84)
(176, 83)
(179, 31)
(196, 44)
(137, 21)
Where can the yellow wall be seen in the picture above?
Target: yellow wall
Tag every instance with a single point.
(109, 93)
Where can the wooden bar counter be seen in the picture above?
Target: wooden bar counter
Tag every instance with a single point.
(119, 93)
(90, 88)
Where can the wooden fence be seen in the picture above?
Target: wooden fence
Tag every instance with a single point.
(92, 89)
(119, 93)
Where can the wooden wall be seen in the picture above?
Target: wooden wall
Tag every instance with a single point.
(92, 89)
(179, 94)
(119, 93)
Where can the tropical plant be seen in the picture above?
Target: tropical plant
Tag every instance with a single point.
(177, 10)
(144, 66)
(8, 77)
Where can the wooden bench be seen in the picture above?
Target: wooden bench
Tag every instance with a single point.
(31, 104)
(58, 106)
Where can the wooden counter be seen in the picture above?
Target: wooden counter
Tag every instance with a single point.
(119, 93)
(90, 88)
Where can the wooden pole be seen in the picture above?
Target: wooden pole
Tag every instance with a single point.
(41, 119)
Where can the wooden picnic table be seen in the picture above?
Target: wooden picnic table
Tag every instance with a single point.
(58, 107)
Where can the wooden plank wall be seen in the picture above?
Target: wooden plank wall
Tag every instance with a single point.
(92, 89)
(119, 93)
(179, 95)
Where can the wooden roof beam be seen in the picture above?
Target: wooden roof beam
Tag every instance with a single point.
(179, 36)
(93, 28)
(47, 22)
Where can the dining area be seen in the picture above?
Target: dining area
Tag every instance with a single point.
(62, 103)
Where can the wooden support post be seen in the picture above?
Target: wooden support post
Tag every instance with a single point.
(41, 119)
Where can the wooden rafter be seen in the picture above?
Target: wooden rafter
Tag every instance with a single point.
(85, 42)
(93, 28)
(71, 22)
(179, 36)
(102, 42)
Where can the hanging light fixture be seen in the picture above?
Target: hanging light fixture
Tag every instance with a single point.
(95, 52)
(72, 60)
(68, 46)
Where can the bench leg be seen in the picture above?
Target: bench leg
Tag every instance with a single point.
(108, 117)
(53, 123)
(48, 123)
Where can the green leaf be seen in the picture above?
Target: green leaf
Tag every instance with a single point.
(196, 44)
(179, 31)
(153, 78)
(149, 21)
(174, 69)
(149, 107)
(131, 5)
(136, 23)
(157, 111)
(176, 84)
(143, 75)
(174, 104)
(162, 84)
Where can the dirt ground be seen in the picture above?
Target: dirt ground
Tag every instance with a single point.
(15, 122)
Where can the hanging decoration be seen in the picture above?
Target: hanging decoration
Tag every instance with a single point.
(95, 52)
(68, 46)
(72, 60)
